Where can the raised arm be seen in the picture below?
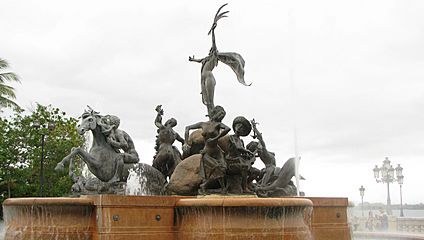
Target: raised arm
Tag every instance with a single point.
(258, 134)
(218, 16)
(158, 119)
(190, 127)
(214, 49)
(192, 59)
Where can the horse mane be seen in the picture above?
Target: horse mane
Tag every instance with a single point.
(91, 113)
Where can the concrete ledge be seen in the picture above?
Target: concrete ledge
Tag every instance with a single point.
(388, 235)
(245, 202)
(47, 201)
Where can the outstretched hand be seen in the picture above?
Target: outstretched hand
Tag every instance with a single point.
(159, 109)
(254, 123)
(255, 130)
(214, 26)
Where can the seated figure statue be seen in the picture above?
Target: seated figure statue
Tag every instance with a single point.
(119, 140)
(238, 158)
(267, 157)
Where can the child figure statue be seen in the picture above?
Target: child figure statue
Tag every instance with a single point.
(115, 137)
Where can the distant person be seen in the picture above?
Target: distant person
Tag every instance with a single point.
(369, 224)
(384, 220)
(355, 223)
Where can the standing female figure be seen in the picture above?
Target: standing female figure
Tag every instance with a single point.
(212, 164)
(207, 80)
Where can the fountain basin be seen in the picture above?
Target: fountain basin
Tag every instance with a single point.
(114, 217)
(244, 218)
(48, 218)
(329, 218)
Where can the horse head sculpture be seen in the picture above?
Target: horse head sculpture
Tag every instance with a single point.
(88, 122)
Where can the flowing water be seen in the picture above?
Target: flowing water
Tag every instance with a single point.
(2, 232)
(244, 222)
(137, 183)
(144, 181)
(48, 222)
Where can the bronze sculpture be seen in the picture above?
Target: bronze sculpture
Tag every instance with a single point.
(212, 165)
(115, 136)
(267, 157)
(274, 181)
(238, 158)
(167, 156)
(214, 161)
(234, 60)
(103, 160)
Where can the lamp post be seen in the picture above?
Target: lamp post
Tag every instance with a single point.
(50, 126)
(387, 176)
(362, 191)
(400, 181)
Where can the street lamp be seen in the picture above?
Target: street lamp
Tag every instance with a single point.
(387, 176)
(400, 181)
(362, 191)
(50, 126)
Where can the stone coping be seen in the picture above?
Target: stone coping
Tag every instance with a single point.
(329, 201)
(244, 202)
(180, 201)
(48, 201)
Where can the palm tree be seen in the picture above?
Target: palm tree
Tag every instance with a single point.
(7, 92)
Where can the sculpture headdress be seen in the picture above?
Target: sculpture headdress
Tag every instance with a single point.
(89, 112)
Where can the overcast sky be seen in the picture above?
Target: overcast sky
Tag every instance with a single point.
(347, 75)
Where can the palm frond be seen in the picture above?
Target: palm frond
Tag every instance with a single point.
(9, 76)
(5, 102)
(3, 63)
(219, 10)
(8, 91)
(221, 15)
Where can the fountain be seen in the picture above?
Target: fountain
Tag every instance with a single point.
(210, 191)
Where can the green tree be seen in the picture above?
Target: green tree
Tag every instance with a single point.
(20, 152)
(7, 93)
